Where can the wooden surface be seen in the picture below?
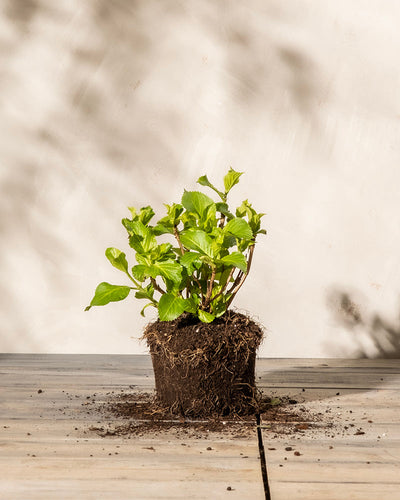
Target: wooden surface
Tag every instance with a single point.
(358, 458)
(47, 452)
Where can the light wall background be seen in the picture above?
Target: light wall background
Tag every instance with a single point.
(112, 103)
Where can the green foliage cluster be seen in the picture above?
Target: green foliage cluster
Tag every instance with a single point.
(204, 268)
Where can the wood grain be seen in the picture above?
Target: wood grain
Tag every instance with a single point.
(359, 457)
(47, 452)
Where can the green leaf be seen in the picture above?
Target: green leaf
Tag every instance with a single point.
(146, 293)
(106, 293)
(231, 179)
(191, 261)
(140, 272)
(209, 221)
(164, 248)
(172, 219)
(240, 228)
(195, 239)
(205, 317)
(174, 211)
(223, 277)
(162, 252)
(163, 229)
(189, 220)
(170, 307)
(236, 259)
(203, 181)
(117, 259)
(142, 239)
(224, 209)
(244, 245)
(146, 214)
(253, 217)
(219, 305)
(255, 223)
(133, 212)
(142, 259)
(197, 202)
(127, 225)
(135, 242)
(192, 304)
(245, 209)
(168, 269)
(229, 241)
(205, 259)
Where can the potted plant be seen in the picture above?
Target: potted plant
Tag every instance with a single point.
(203, 353)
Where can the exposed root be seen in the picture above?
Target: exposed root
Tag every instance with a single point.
(205, 368)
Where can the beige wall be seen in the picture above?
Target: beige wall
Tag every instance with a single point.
(106, 104)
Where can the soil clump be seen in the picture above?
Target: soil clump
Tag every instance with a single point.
(205, 369)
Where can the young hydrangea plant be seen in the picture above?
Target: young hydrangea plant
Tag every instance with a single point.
(205, 269)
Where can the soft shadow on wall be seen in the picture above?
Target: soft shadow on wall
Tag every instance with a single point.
(371, 335)
(111, 115)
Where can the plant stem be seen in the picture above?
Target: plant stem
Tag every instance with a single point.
(199, 285)
(243, 277)
(236, 281)
(210, 287)
(176, 234)
(156, 287)
(225, 286)
(133, 280)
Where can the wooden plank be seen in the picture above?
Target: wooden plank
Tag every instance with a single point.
(154, 460)
(267, 364)
(86, 466)
(47, 450)
(132, 489)
(337, 490)
(53, 425)
(338, 462)
(354, 471)
(363, 377)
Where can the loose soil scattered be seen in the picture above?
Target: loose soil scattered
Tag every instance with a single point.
(139, 414)
(205, 384)
(130, 413)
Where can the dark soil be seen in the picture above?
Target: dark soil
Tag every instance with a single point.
(205, 369)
